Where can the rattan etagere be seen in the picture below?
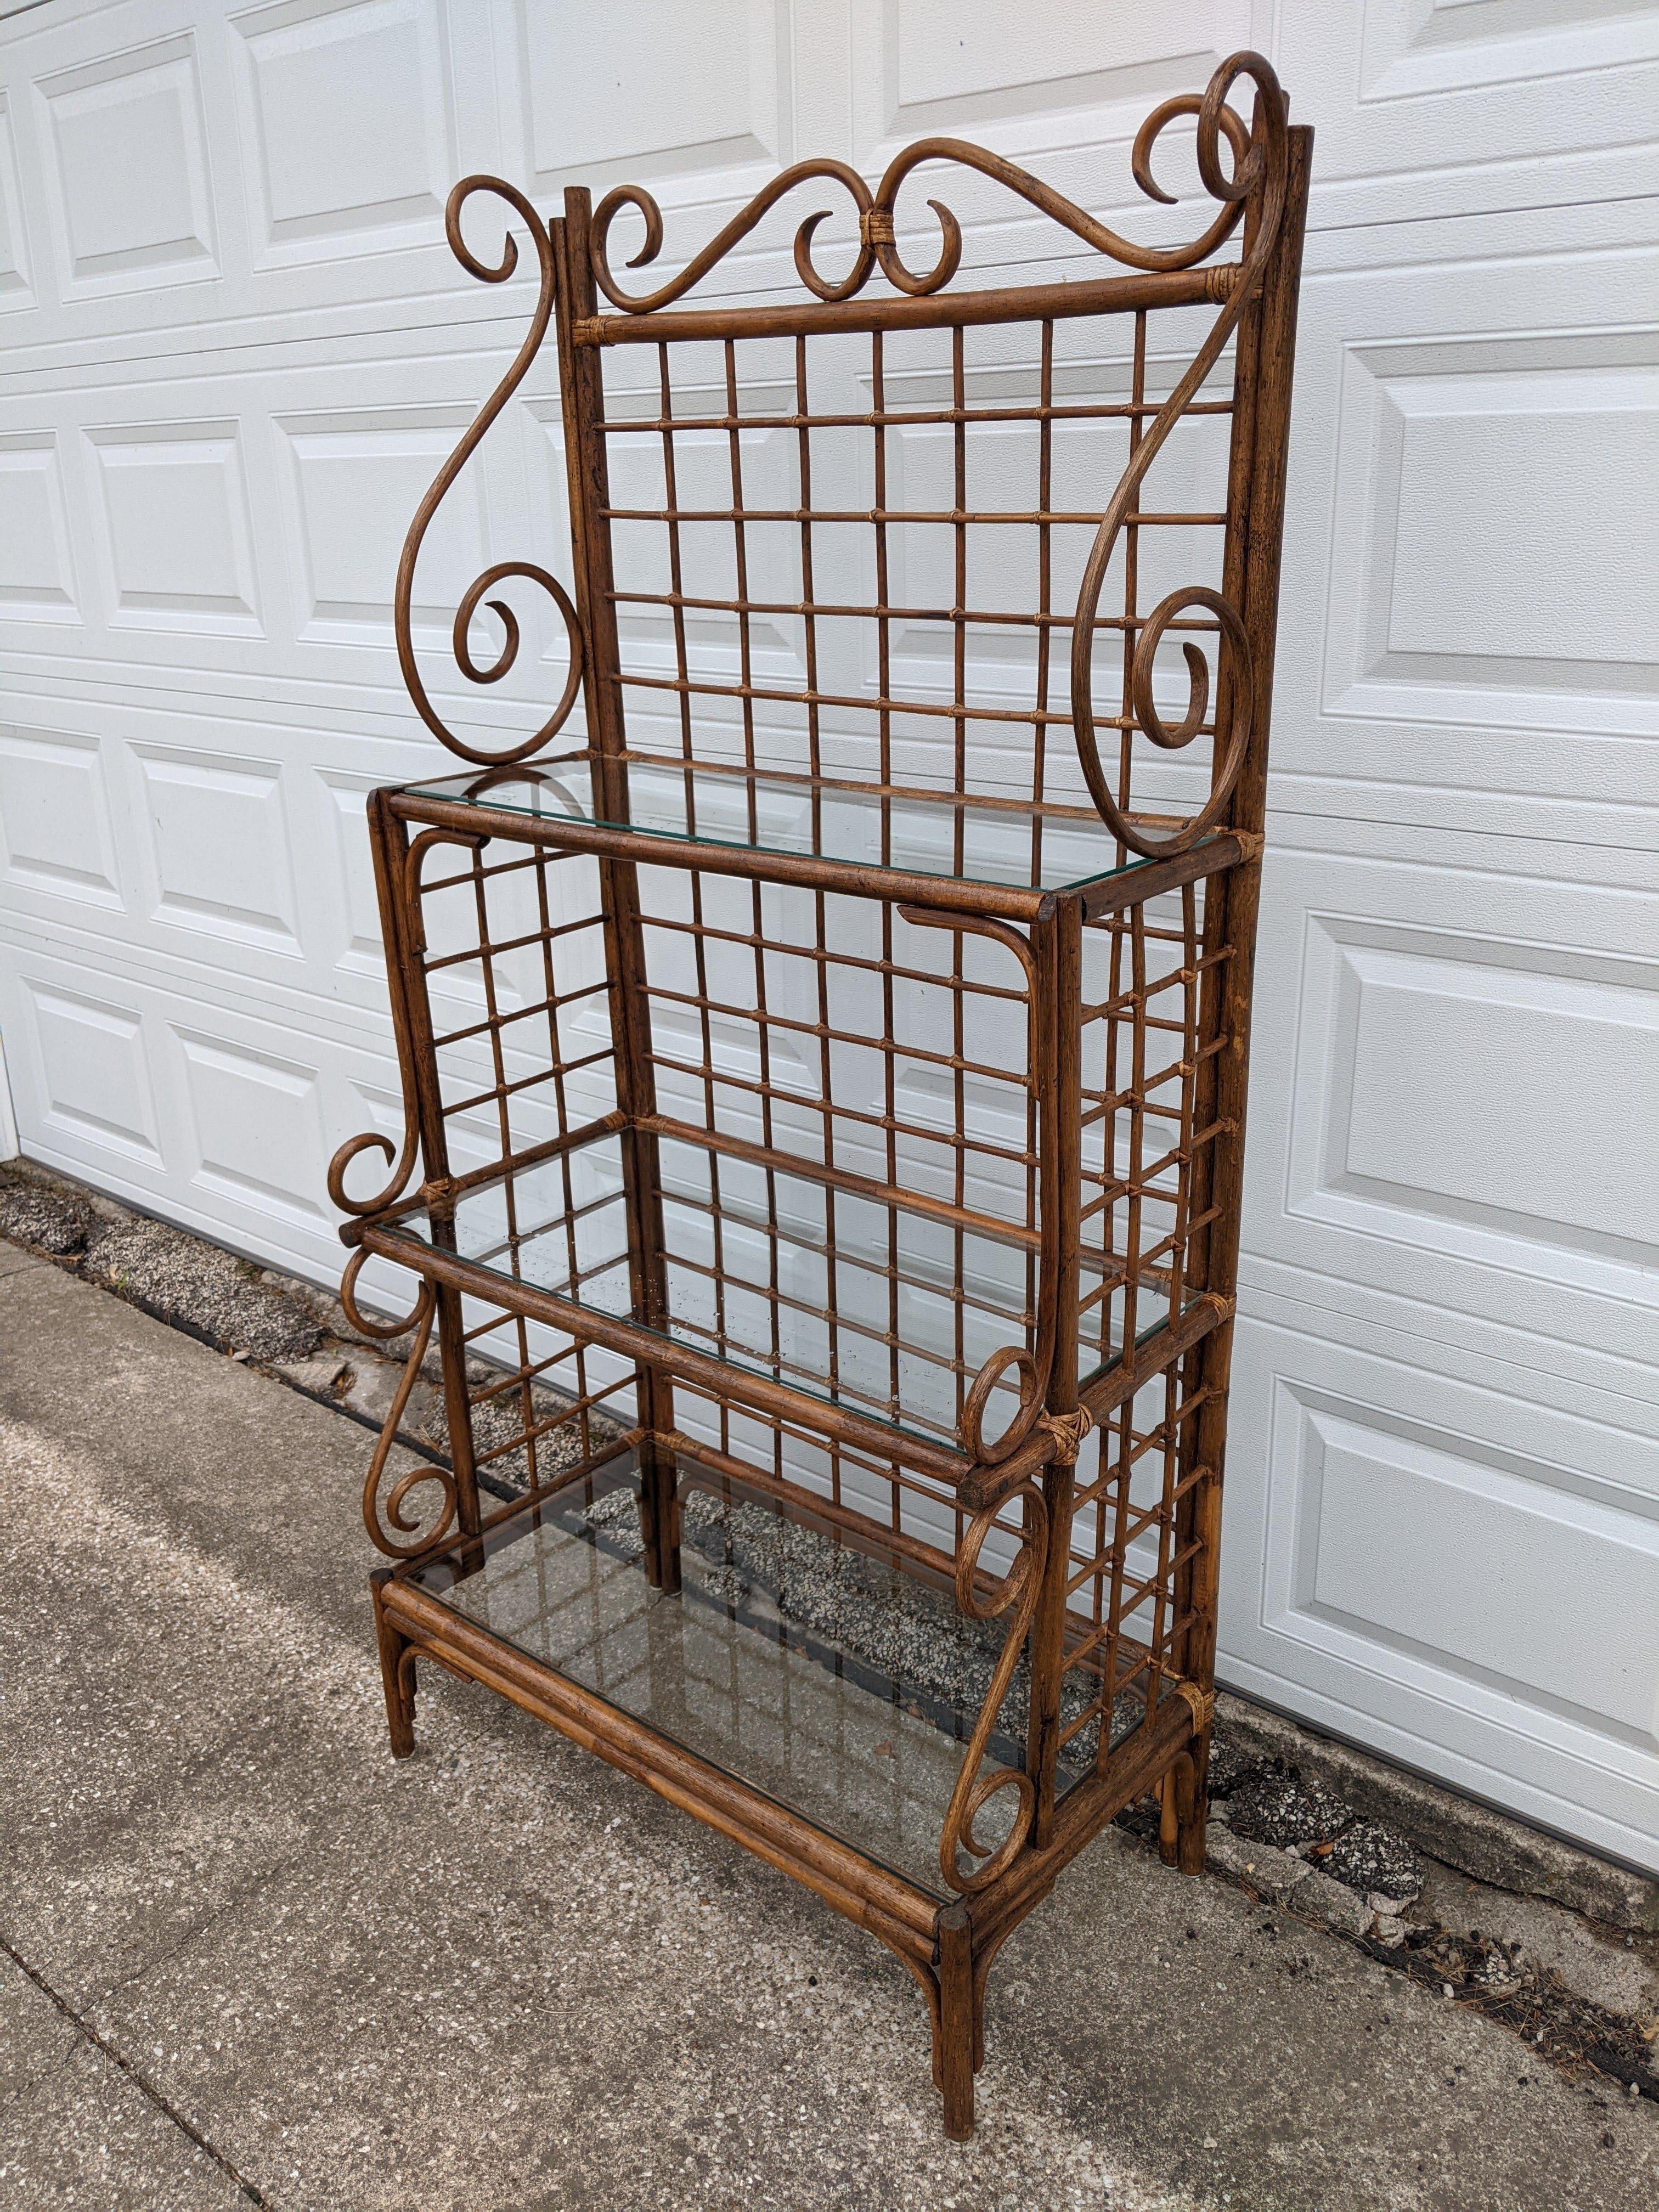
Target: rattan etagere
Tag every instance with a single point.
(824, 1080)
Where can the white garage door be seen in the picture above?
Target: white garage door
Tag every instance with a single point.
(235, 349)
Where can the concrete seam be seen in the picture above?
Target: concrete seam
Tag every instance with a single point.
(126, 2067)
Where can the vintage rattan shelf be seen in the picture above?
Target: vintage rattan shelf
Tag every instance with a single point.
(823, 1084)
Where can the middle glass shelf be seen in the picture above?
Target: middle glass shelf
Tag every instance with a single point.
(849, 1298)
(996, 843)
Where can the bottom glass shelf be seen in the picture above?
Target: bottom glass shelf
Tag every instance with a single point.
(815, 1670)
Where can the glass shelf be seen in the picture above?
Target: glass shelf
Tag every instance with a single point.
(759, 1283)
(808, 1666)
(980, 841)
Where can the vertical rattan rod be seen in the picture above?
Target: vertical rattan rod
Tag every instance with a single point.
(581, 385)
(1213, 994)
(411, 1007)
(1058, 1043)
(1241, 893)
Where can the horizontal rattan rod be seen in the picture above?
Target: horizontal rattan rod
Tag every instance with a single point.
(801, 1240)
(900, 1914)
(845, 1118)
(1096, 1563)
(955, 517)
(604, 1125)
(478, 870)
(1115, 1559)
(1141, 1182)
(969, 802)
(827, 1033)
(540, 1493)
(986, 617)
(850, 1120)
(837, 1322)
(1211, 856)
(753, 941)
(1135, 1595)
(1148, 1268)
(899, 417)
(494, 1025)
(1105, 1109)
(855, 1185)
(496, 948)
(1106, 1102)
(484, 872)
(562, 1478)
(955, 710)
(874, 1538)
(498, 1093)
(1116, 1268)
(720, 1379)
(508, 1249)
(526, 1438)
(1139, 1186)
(574, 1405)
(1104, 1564)
(1140, 1443)
(858, 879)
(1023, 303)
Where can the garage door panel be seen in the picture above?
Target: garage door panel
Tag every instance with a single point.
(1492, 469)
(1483, 1089)
(37, 570)
(88, 1083)
(1449, 1106)
(1403, 90)
(216, 1117)
(1438, 1566)
(346, 111)
(233, 842)
(635, 93)
(130, 196)
(265, 158)
(1396, 546)
(269, 538)
(55, 819)
(16, 289)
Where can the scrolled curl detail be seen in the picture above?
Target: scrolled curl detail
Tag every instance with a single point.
(1016, 1595)
(399, 1158)
(635, 197)
(393, 1528)
(1260, 168)
(878, 247)
(488, 272)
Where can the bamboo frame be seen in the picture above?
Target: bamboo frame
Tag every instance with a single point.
(986, 1344)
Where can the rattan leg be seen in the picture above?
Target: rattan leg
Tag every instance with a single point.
(1192, 1806)
(958, 2030)
(397, 1671)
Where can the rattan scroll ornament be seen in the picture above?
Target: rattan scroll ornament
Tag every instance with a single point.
(876, 219)
(1016, 1595)
(1259, 172)
(475, 597)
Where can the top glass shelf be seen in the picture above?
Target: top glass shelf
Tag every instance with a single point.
(999, 845)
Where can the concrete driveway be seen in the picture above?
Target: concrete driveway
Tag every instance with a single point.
(250, 1958)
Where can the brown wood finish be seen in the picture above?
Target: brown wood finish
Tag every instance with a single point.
(895, 1197)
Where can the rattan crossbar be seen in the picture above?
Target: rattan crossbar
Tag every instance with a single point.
(823, 1035)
